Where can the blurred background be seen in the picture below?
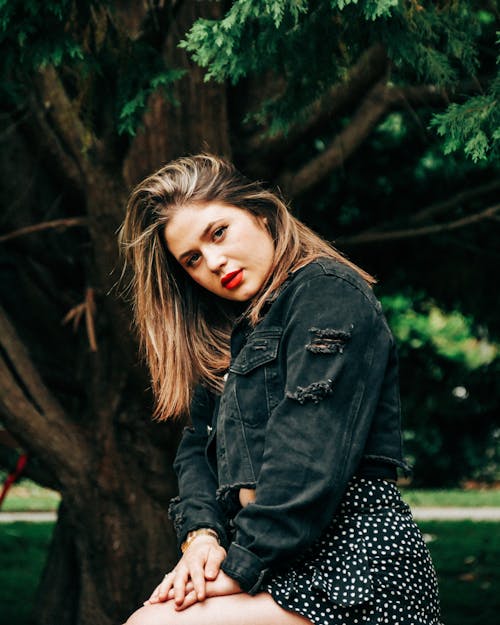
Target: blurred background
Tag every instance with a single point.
(377, 119)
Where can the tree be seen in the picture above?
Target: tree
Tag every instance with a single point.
(330, 99)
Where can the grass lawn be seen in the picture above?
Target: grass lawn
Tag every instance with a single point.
(26, 495)
(467, 559)
(452, 497)
(466, 555)
(23, 547)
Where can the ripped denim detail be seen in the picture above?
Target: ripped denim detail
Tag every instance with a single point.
(328, 340)
(314, 392)
(228, 497)
(174, 514)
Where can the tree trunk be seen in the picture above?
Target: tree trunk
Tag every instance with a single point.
(89, 423)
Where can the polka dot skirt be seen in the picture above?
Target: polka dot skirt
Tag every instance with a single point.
(370, 567)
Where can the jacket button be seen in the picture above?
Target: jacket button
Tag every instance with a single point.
(209, 429)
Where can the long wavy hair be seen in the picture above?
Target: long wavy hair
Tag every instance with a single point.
(184, 329)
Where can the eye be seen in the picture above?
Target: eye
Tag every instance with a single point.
(192, 260)
(219, 233)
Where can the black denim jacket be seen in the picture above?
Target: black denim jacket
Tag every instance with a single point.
(311, 399)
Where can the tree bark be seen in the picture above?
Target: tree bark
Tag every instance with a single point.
(112, 465)
(196, 117)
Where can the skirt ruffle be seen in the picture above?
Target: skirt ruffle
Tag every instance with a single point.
(370, 567)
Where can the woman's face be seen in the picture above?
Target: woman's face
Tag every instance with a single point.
(225, 249)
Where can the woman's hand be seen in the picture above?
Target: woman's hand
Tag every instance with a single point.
(222, 585)
(199, 564)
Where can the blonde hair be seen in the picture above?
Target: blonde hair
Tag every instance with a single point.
(184, 330)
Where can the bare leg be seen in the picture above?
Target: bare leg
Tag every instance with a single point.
(239, 609)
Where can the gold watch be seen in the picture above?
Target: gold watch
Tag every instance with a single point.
(202, 531)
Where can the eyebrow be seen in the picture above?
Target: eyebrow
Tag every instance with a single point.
(203, 235)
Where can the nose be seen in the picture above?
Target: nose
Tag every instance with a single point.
(215, 259)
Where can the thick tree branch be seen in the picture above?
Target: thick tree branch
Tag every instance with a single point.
(75, 136)
(370, 67)
(46, 225)
(410, 233)
(44, 135)
(32, 414)
(376, 104)
(436, 209)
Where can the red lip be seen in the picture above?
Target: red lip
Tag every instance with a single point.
(232, 279)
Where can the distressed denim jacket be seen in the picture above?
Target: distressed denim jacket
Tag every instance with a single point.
(311, 397)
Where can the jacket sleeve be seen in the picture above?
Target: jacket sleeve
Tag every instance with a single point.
(336, 344)
(196, 505)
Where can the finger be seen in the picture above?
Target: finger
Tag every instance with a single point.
(189, 600)
(180, 582)
(154, 596)
(212, 565)
(189, 588)
(166, 585)
(198, 579)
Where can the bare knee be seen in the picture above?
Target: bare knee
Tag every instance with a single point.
(152, 615)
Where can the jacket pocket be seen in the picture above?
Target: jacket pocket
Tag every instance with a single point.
(261, 348)
(254, 378)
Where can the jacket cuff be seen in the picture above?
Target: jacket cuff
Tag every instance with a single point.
(245, 567)
(184, 523)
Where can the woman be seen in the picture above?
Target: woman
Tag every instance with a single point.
(276, 346)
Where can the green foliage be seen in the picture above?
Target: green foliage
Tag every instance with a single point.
(372, 9)
(308, 46)
(473, 126)
(239, 42)
(433, 44)
(312, 45)
(101, 64)
(135, 87)
(448, 380)
(451, 335)
(25, 25)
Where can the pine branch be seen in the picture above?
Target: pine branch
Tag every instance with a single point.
(46, 225)
(30, 412)
(376, 104)
(410, 233)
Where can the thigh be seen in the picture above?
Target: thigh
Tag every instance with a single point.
(240, 609)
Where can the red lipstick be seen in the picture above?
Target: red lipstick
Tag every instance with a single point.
(232, 279)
